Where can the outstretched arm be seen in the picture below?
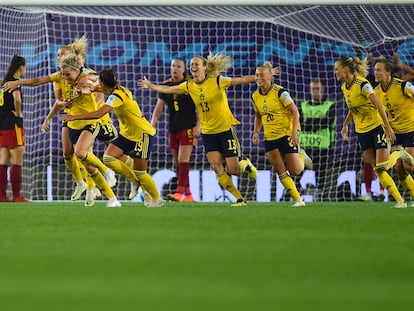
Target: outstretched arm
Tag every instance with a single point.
(11, 85)
(146, 84)
(251, 78)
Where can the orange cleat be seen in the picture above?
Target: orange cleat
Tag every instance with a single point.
(188, 198)
(177, 197)
(20, 199)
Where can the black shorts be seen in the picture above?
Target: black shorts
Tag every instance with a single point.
(284, 144)
(226, 143)
(135, 149)
(373, 139)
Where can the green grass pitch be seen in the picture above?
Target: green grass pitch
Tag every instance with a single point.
(206, 256)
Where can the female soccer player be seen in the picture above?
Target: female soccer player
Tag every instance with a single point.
(184, 129)
(208, 91)
(135, 135)
(12, 132)
(82, 133)
(371, 123)
(397, 97)
(276, 111)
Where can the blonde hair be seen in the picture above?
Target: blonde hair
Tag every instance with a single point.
(80, 46)
(70, 61)
(267, 65)
(216, 64)
(355, 64)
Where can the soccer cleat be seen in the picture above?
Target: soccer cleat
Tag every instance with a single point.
(176, 197)
(400, 204)
(79, 190)
(405, 156)
(307, 159)
(134, 189)
(381, 197)
(365, 198)
(90, 198)
(299, 203)
(188, 198)
(113, 203)
(110, 177)
(20, 199)
(156, 203)
(97, 194)
(250, 168)
(240, 202)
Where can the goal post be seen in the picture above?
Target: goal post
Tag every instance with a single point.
(141, 41)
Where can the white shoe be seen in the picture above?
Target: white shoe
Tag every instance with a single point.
(110, 177)
(365, 198)
(299, 204)
(134, 189)
(405, 156)
(400, 204)
(113, 203)
(157, 203)
(89, 199)
(308, 160)
(79, 190)
(97, 193)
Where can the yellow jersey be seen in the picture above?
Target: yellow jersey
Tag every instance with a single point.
(364, 112)
(398, 101)
(277, 119)
(210, 99)
(132, 123)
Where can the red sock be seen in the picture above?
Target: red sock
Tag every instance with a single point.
(183, 182)
(16, 180)
(368, 176)
(3, 180)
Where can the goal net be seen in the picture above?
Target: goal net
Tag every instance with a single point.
(141, 41)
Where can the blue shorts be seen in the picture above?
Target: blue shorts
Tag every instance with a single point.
(284, 145)
(107, 132)
(135, 149)
(405, 140)
(226, 143)
(74, 134)
(373, 139)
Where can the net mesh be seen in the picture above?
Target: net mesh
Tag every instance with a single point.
(141, 41)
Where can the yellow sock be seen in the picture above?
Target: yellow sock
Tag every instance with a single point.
(227, 183)
(290, 187)
(119, 167)
(408, 184)
(302, 161)
(386, 181)
(102, 184)
(148, 183)
(242, 166)
(72, 163)
(394, 156)
(90, 184)
(130, 162)
(93, 160)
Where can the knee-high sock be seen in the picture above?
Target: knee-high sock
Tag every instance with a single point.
(387, 181)
(90, 184)
(290, 187)
(73, 165)
(93, 160)
(148, 183)
(408, 184)
(183, 185)
(227, 183)
(102, 184)
(119, 167)
(302, 161)
(3, 180)
(16, 179)
(368, 176)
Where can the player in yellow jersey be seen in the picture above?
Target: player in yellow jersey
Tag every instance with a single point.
(277, 113)
(208, 88)
(373, 130)
(82, 133)
(397, 96)
(135, 134)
